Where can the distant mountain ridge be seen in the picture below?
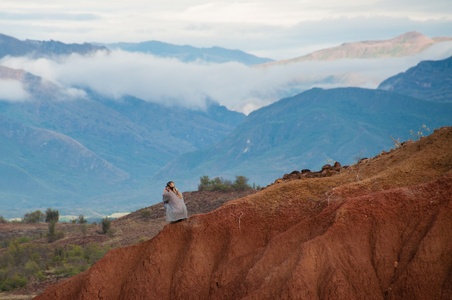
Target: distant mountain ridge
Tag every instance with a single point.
(188, 53)
(14, 47)
(406, 44)
(95, 149)
(114, 154)
(430, 80)
(308, 130)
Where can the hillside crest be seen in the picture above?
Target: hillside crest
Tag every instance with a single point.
(379, 228)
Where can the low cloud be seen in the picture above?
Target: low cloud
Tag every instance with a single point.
(12, 91)
(238, 87)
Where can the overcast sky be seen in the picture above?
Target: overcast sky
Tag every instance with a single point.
(277, 29)
(281, 29)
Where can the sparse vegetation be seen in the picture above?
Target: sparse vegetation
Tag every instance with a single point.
(84, 229)
(34, 217)
(54, 235)
(52, 215)
(23, 263)
(42, 263)
(146, 213)
(220, 184)
(415, 136)
(81, 219)
(106, 224)
(359, 156)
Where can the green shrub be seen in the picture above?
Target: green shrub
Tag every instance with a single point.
(51, 236)
(241, 183)
(23, 239)
(31, 267)
(21, 263)
(41, 277)
(13, 283)
(34, 217)
(81, 219)
(106, 224)
(3, 220)
(204, 184)
(146, 213)
(220, 184)
(52, 215)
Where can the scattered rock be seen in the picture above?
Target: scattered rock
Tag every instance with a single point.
(326, 167)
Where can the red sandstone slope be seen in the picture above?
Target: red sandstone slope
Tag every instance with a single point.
(379, 229)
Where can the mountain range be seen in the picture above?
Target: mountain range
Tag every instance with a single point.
(59, 152)
(428, 80)
(188, 53)
(93, 154)
(310, 130)
(15, 47)
(407, 44)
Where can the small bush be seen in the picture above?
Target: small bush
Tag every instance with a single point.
(146, 213)
(241, 183)
(34, 217)
(41, 277)
(81, 219)
(51, 236)
(106, 224)
(3, 220)
(23, 239)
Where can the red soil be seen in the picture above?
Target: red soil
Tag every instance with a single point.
(379, 229)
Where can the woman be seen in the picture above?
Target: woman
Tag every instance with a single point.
(174, 204)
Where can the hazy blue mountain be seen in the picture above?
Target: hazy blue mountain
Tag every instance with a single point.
(188, 53)
(429, 80)
(308, 130)
(70, 152)
(14, 47)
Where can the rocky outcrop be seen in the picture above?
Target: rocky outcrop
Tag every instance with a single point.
(379, 229)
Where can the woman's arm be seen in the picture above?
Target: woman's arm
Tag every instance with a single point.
(166, 196)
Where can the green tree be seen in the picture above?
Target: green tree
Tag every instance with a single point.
(205, 184)
(219, 184)
(52, 235)
(106, 224)
(52, 215)
(241, 183)
(34, 217)
(81, 219)
(3, 220)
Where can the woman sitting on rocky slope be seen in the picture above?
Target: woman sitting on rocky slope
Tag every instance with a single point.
(174, 204)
